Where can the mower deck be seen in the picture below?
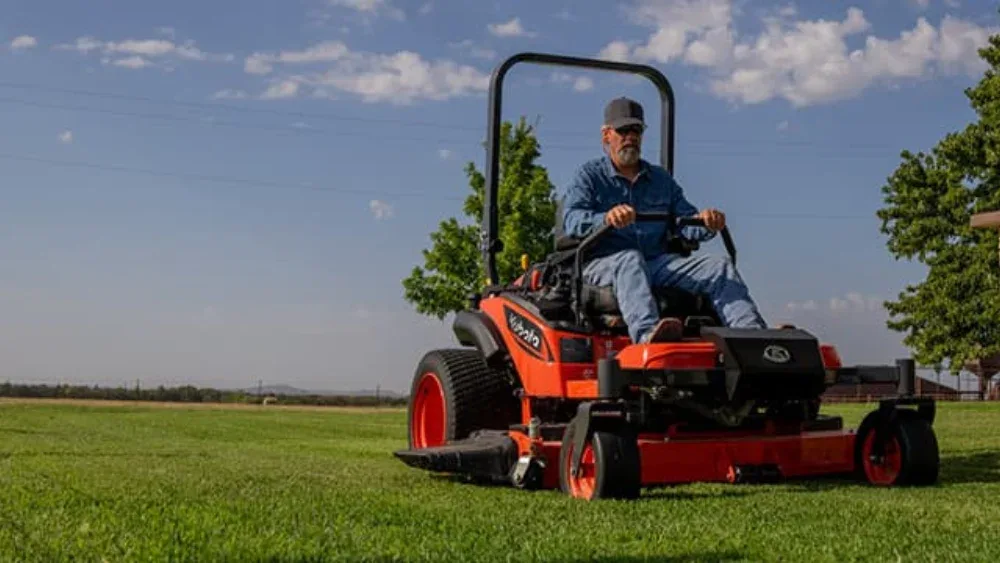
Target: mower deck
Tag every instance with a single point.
(665, 459)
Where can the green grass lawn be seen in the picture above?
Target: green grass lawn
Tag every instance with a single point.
(114, 483)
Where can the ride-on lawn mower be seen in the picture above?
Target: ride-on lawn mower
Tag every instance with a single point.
(549, 390)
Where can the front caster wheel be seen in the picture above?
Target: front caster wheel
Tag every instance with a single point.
(609, 467)
(900, 451)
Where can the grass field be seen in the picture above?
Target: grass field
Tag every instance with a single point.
(94, 482)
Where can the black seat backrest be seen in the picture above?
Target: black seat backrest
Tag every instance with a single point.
(562, 241)
(566, 243)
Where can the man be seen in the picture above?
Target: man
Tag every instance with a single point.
(631, 257)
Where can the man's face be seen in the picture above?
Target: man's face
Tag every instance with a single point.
(624, 144)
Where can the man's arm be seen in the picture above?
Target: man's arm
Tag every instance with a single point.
(683, 208)
(579, 206)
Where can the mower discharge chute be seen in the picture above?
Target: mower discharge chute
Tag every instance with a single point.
(549, 391)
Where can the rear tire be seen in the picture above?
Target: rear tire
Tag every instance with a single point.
(455, 393)
(910, 456)
(610, 466)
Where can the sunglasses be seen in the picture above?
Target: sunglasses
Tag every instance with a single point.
(637, 129)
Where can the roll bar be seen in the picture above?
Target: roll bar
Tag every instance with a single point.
(489, 242)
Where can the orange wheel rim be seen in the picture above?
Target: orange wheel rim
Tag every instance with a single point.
(883, 470)
(428, 419)
(582, 486)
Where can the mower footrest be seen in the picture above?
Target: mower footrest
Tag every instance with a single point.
(485, 454)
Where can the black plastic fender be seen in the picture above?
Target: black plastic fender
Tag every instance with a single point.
(474, 328)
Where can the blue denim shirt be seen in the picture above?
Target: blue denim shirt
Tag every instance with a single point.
(597, 187)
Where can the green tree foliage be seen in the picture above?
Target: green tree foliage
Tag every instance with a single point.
(453, 267)
(953, 316)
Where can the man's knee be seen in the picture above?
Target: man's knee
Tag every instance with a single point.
(717, 269)
(629, 261)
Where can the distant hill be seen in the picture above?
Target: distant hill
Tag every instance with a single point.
(295, 391)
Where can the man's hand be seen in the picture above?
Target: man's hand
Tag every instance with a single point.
(620, 216)
(714, 219)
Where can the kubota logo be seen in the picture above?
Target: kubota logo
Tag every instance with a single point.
(524, 330)
(777, 354)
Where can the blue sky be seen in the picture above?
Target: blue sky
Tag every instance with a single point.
(216, 193)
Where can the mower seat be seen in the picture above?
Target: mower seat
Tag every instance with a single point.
(601, 301)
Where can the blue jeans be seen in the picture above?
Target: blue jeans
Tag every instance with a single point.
(633, 277)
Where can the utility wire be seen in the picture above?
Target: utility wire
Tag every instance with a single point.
(337, 117)
(331, 189)
(214, 178)
(292, 129)
(220, 106)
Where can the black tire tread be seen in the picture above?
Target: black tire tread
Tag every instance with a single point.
(477, 397)
(923, 456)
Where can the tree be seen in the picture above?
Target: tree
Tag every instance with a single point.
(453, 267)
(953, 316)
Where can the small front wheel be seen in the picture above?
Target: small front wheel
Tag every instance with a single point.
(609, 468)
(904, 453)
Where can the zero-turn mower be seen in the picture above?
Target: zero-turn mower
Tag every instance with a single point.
(549, 391)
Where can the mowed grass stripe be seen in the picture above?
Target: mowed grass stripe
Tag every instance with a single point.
(141, 482)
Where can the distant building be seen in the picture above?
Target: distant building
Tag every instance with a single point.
(873, 391)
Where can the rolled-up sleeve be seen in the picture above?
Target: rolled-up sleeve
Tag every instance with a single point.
(579, 205)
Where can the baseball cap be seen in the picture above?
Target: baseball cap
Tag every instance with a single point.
(623, 111)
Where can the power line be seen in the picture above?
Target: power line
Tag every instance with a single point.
(291, 185)
(316, 131)
(220, 106)
(214, 178)
(338, 117)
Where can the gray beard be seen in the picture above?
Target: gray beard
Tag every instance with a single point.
(628, 156)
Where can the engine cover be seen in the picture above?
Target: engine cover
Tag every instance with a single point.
(769, 363)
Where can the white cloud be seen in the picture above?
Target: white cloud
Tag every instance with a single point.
(804, 62)
(445, 154)
(580, 83)
(66, 137)
(147, 47)
(23, 42)
(398, 78)
(142, 53)
(229, 95)
(510, 28)
(380, 209)
(426, 8)
(803, 306)
(583, 83)
(133, 62)
(404, 77)
(615, 51)
(327, 51)
(370, 7)
(82, 45)
(783, 126)
(851, 302)
(281, 89)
